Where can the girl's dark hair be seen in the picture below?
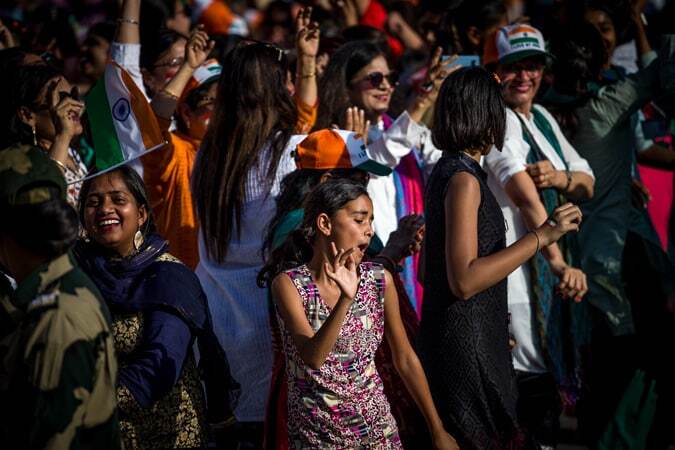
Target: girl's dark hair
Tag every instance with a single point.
(24, 84)
(106, 30)
(48, 229)
(327, 198)
(579, 61)
(470, 112)
(254, 111)
(155, 44)
(334, 83)
(136, 187)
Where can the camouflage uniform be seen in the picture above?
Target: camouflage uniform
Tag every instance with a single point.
(57, 366)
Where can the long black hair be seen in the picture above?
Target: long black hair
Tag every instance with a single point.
(470, 112)
(344, 64)
(136, 187)
(327, 198)
(254, 110)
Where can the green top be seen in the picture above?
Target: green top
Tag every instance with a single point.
(605, 140)
(58, 368)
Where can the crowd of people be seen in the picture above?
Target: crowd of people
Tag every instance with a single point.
(371, 224)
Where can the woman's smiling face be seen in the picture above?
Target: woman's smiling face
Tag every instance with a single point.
(112, 215)
(372, 98)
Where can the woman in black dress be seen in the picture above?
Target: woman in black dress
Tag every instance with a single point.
(464, 330)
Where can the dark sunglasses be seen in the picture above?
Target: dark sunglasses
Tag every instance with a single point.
(376, 78)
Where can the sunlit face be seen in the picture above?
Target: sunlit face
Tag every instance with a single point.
(45, 128)
(371, 88)
(352, 226)
(93, 56)
(521, 81)
(166, 66)
(605, 26)
(111, 214)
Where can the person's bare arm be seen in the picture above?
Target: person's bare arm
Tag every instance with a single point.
(313, 347)
(196, 51)
(574, 185)
(409, 367)
(128, 24)
(468, 274)
(523, 192)
(307, 45)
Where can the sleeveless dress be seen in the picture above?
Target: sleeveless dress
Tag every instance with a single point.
(341, 405)
(463, 344)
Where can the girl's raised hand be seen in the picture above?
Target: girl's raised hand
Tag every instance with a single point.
(342, 270)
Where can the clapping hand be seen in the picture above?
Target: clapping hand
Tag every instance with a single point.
(342, 270)
(437, 71)
(198, 47)
(407, 239)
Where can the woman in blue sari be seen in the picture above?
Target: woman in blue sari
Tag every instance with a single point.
(158, 310)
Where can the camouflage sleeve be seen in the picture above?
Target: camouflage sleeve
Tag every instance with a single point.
(71, 366)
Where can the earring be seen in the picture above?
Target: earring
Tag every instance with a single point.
(138, 240)
(34, 136)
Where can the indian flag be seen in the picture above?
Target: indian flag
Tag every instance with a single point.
(123, 125)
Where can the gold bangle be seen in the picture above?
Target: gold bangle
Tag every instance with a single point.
(169, 94)
(129, 21)
(309, 75)
(60, 164)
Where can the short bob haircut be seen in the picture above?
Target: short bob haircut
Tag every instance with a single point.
(470, 112)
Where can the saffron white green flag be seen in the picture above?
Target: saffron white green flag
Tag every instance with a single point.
(122, 123)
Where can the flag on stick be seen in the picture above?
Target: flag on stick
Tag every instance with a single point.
(123, 125)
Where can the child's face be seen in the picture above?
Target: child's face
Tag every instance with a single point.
(352, 226)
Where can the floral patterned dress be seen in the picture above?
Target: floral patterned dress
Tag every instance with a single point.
(341, 405)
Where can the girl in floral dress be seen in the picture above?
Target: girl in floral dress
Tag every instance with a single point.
(333, 310)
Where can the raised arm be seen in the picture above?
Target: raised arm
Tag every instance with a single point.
(128, 24)
(196, 51)
(410, 369)
(469, 274)
(307, 45)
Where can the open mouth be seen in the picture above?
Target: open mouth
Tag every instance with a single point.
(107, 225)
(363, 247)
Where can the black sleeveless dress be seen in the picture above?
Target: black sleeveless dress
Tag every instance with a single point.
(463, 344)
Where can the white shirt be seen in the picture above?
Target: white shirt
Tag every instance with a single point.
(388, 147)
(501, 166)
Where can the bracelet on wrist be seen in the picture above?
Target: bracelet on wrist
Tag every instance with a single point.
(169, 94)
(569, 180)
(305, 75)
(129, 21)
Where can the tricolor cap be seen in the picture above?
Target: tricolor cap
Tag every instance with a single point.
(336, 149)
(515, 42)
(210, 70)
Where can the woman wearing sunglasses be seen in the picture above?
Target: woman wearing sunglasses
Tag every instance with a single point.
(358, 76)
